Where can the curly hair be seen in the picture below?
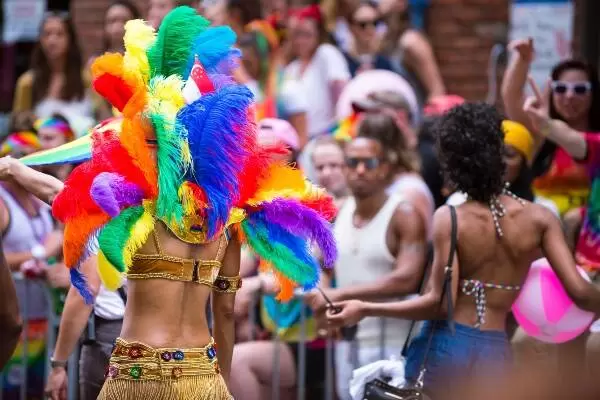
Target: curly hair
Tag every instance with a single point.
(470, 143)
(383, 128)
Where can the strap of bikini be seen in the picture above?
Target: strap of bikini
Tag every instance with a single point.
(446, 295)
(156, 242)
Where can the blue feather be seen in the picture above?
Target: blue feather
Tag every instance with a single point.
(219, 148)
(78, 281)
(212, 47)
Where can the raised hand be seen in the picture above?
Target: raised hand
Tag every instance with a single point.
(524, 47)
(537, 107)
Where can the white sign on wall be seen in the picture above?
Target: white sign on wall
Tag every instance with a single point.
(22, 20)
(550, 24)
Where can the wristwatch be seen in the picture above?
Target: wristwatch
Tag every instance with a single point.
(38, 252)
(57, 364)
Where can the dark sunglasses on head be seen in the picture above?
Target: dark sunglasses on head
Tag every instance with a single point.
(369, 163)
(365, 24)
(579, 88)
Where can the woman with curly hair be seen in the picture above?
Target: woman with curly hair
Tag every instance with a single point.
(497, 237)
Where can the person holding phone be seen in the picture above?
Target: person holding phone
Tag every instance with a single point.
(498, 236)
(382, 241)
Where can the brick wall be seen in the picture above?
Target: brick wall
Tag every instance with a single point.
(462, 32)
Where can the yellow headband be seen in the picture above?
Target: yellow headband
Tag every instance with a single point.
(519, 137)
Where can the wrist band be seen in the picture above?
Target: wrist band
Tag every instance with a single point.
(57, 364)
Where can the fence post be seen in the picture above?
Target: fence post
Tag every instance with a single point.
(329, 379)
(73, 375)
(275, 387)
(302, 355)
(25, 354)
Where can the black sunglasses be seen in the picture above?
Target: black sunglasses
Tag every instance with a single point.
(365, 24)
(370, 163)
(579, 88)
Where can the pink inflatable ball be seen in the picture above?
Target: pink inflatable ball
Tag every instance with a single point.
(545, 311)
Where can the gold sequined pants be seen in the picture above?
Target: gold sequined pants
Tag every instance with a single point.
(138, 371)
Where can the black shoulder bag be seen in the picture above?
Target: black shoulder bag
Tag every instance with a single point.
(378, 389)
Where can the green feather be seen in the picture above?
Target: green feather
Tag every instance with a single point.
(114, 235)
(170, 54)
(278, 255)
(170, 169)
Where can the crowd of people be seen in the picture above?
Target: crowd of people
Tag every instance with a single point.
(519, 186)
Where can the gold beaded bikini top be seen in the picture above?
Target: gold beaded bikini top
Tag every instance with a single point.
(160, 265)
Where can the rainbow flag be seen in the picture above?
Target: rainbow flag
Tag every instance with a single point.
(76, 151)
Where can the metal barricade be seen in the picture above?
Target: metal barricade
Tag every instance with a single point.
(53, 323)
(329, 387)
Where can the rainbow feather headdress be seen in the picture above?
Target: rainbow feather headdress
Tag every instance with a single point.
(175, 89)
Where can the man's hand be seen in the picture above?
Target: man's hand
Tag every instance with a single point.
(56, 387)
(523, 47)
(346, 313)
(6, 166)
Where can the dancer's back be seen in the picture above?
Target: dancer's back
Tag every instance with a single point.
(486, 257)
(163, 311)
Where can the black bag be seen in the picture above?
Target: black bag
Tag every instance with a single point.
(378, 389)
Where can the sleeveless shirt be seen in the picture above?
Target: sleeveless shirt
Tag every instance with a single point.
(363, 257)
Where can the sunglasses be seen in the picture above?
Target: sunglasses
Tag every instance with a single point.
(370, 163)
(366, 24)
(579, 88)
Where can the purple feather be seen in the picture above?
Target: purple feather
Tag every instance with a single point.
(303, 221)
(112, 193)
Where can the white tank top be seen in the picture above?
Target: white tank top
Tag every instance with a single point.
(22, 234)
(363, 257)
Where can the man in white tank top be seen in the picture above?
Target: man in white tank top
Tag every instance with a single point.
(382, 254)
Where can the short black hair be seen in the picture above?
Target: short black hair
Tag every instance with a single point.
(470, 143)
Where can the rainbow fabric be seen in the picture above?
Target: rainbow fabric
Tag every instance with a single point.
(18, 141)
(74, 152)
(345, 129)
(209, 173)
(57, 124)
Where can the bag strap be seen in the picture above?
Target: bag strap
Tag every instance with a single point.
(446, 292)
(122, 294)
(421, 290)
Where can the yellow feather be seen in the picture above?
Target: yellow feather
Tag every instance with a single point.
(186, 196)
(139, 234)
(138, 38)
(281, 181)
(111, 278)
(236, 215)
(186, 154)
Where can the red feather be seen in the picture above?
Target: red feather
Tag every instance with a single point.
(75, 199)
(108, 151)
(324, 205)
(114, 89)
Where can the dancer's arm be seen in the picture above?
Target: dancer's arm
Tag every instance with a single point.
(223, 308)
(43, 186)
(424, 307)
(10, 320)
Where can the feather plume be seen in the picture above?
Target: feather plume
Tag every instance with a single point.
(220, 146)
(138, 38)
(212, 47)
(140, 231)
(133, 140)
(78, 281)
(112, 193)
(302, 221)
(115, 234)
(79, 234)
(111, 278)
(171, 51)
(288, 253)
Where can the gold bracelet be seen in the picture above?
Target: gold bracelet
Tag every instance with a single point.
(227, 284)
(546, 128)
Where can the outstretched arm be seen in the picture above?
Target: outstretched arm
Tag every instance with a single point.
(420, 308)
(43, 186)
(583, 293)
(223, 307)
